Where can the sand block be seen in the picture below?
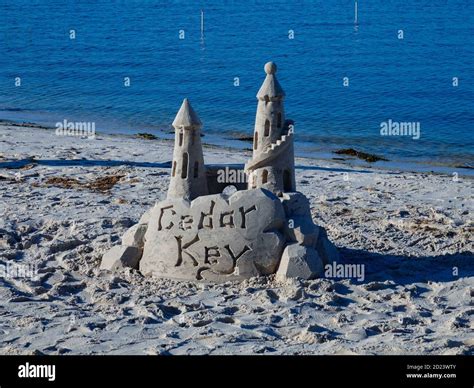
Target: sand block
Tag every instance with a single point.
(135, 236)
(257, 211)
(299, 226)
(296, 204)
(302, 230)
(121, 256)
(213, 238)
(299, 261)
(145, 217)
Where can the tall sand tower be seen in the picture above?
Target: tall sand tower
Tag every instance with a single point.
(272, 165)
(188, 173)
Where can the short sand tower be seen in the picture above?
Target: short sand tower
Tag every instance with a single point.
(188, 172)
(272, 165)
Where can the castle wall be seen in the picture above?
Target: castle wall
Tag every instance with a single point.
(233, 176)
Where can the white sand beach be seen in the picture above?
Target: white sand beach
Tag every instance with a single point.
(64, 201)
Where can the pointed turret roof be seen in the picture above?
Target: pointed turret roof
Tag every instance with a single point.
(186, 116)
(270, 87)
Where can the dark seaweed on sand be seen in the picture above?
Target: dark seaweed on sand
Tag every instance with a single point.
(361, 155)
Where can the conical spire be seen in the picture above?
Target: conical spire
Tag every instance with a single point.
(270, 87)
(188, 172)
(186, 117)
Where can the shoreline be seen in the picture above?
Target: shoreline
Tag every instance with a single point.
(235, 143)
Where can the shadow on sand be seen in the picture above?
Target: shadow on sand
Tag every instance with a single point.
(405, 270)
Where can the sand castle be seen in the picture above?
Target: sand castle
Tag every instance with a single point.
(202, 233)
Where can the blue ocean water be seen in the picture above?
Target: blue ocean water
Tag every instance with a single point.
(404, 80)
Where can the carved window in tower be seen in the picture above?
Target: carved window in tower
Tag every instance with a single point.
(287, 185)
(180, 137)
(279, 120)
(184, 167)
(174, 169)
(193, 137)
(267, 99)
(196, 169)
(255, 141)
(264, 177)
(267, 128)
